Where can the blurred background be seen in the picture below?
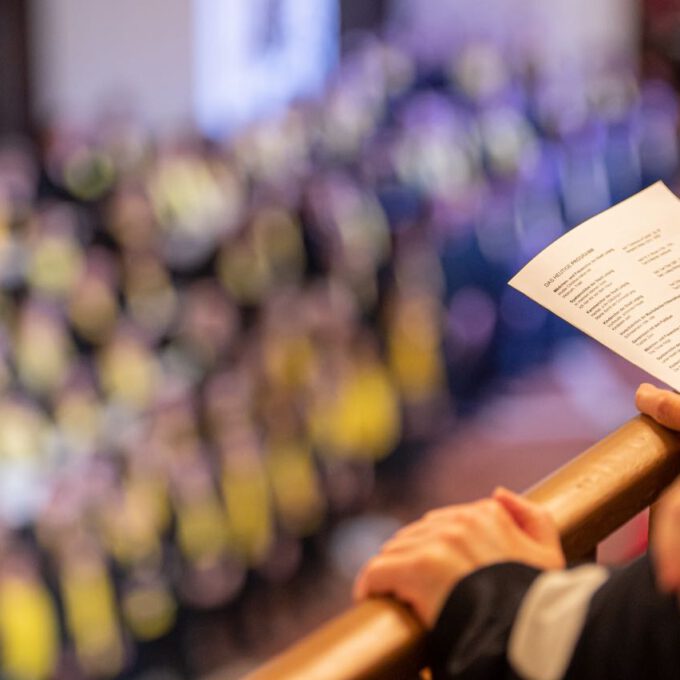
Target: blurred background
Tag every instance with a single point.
(253, 300)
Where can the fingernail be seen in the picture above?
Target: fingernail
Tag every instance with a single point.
(646, 389)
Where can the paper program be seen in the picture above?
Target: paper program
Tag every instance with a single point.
(616, 277)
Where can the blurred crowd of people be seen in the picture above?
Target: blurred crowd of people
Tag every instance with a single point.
(207, 346)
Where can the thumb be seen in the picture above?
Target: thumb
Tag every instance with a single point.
(662, 405)
(529, 516)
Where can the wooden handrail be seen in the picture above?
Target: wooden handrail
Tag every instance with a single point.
(589, 497)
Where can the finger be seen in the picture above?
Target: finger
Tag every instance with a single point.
(360, 585)
(480, 524)
(667, 560)
(383, 575)
(475, 534)
(666, 550)
(529, 516)
(457, 542)
(662, 405)
(451, 511)
(415, 529)
(445, 517)
(403, 543)
(666, 542)
(468, 513)
(426, 534)
(420, 578)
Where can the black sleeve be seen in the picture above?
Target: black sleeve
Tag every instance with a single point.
(632, 631)
(470, 637)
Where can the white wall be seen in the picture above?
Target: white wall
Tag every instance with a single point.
(172, 61)
(90, 54)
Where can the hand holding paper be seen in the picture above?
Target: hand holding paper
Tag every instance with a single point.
(616, 277)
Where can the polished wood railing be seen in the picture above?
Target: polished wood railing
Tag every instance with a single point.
(589, 497)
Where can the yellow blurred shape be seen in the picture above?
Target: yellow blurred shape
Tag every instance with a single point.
(5, 375)
(128, 372)
(5, 220)
(55, 265)
(186, 195)
(246, 496)
(28, 630)
(414, 351)
(201, 529)
(277, 237)
(363, 420)
(243, 271)
(43, 353)
(23, 431)
(289, 361)
(93, 310)
(91, 616)
(299, 503)
(149, 611)
(272, 254)
(148, 493)
(79, 418)
(89, 174)
(150, 296)
(131, 532)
